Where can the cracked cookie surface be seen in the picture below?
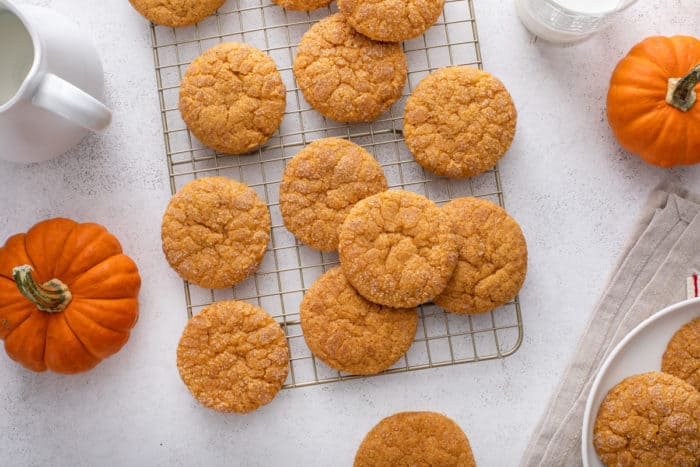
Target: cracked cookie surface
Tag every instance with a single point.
(346, 76)
(492, 257)
(682, 355)
(391, 20)
(233, 357)
(459, 121)
(649, 419)
(397, 249)
(176, 13)
(350, 333)
(415, 439)
(302, 5)
(321, 184)
(232, 98)
(215, 232)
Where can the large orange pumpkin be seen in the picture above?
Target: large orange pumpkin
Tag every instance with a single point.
(68, 296)
(652, 106)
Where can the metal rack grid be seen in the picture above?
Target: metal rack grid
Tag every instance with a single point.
(289, 267)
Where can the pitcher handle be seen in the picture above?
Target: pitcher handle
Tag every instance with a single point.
(62, 98)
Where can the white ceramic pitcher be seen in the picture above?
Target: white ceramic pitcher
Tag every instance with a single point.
(50, 82)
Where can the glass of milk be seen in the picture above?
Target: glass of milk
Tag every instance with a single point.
(16, 55)
(567, 21)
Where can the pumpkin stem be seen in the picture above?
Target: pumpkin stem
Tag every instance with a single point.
(681, 91)
(53, 296)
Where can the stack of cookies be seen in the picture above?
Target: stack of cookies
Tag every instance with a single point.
(654, 418)
(397, 251)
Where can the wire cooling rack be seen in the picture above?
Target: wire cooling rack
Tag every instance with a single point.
(289, 268)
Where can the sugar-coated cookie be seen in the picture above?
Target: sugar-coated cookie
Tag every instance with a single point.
(215, 231)
(233, 357)
(346, 76)
(232, 98)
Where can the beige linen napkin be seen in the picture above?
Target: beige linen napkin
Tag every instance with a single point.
(664, 251)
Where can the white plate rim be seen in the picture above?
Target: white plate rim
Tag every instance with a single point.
(587, 411)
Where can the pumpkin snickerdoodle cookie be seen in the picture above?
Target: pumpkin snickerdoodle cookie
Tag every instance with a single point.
(232, 98)
(649, 419)
(492, 257)
(391, 20)
(233, 357)
(215, 231)
(346, 76)
(352, 334)
(321, 184)
(682, 355)
(397, 248)
(415, 438)
(176, 13)
(459, 121)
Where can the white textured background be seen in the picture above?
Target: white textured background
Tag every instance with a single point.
(575, 192)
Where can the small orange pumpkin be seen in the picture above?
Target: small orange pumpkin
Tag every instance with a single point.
(68, 296)
(652, 106)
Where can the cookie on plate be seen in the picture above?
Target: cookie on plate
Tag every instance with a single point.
(398, 249)
(176, 13)
(391, 20)
(492, 257)
(682, 355)
(321, 184)
(233, 357)
(232, 98)
(649, 419)
(215, 232)
(352, 334)
(415, 438)
(459, 121)
(302, 5)
(346, 76)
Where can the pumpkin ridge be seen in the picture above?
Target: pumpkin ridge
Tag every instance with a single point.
(77, 337)
(124, 267)
(11, 257)
(46, 333)
(87, 236)
(77, 309)
(7, 327)
(687, 50)
(638, 61)
(667, 126)
(661, 47)
(19, 354)
(65, 352)
(687, 138)
(86, 271)
(42, 275)
(12, 307)
(647, 100)
(647, 119)
(107, 350)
